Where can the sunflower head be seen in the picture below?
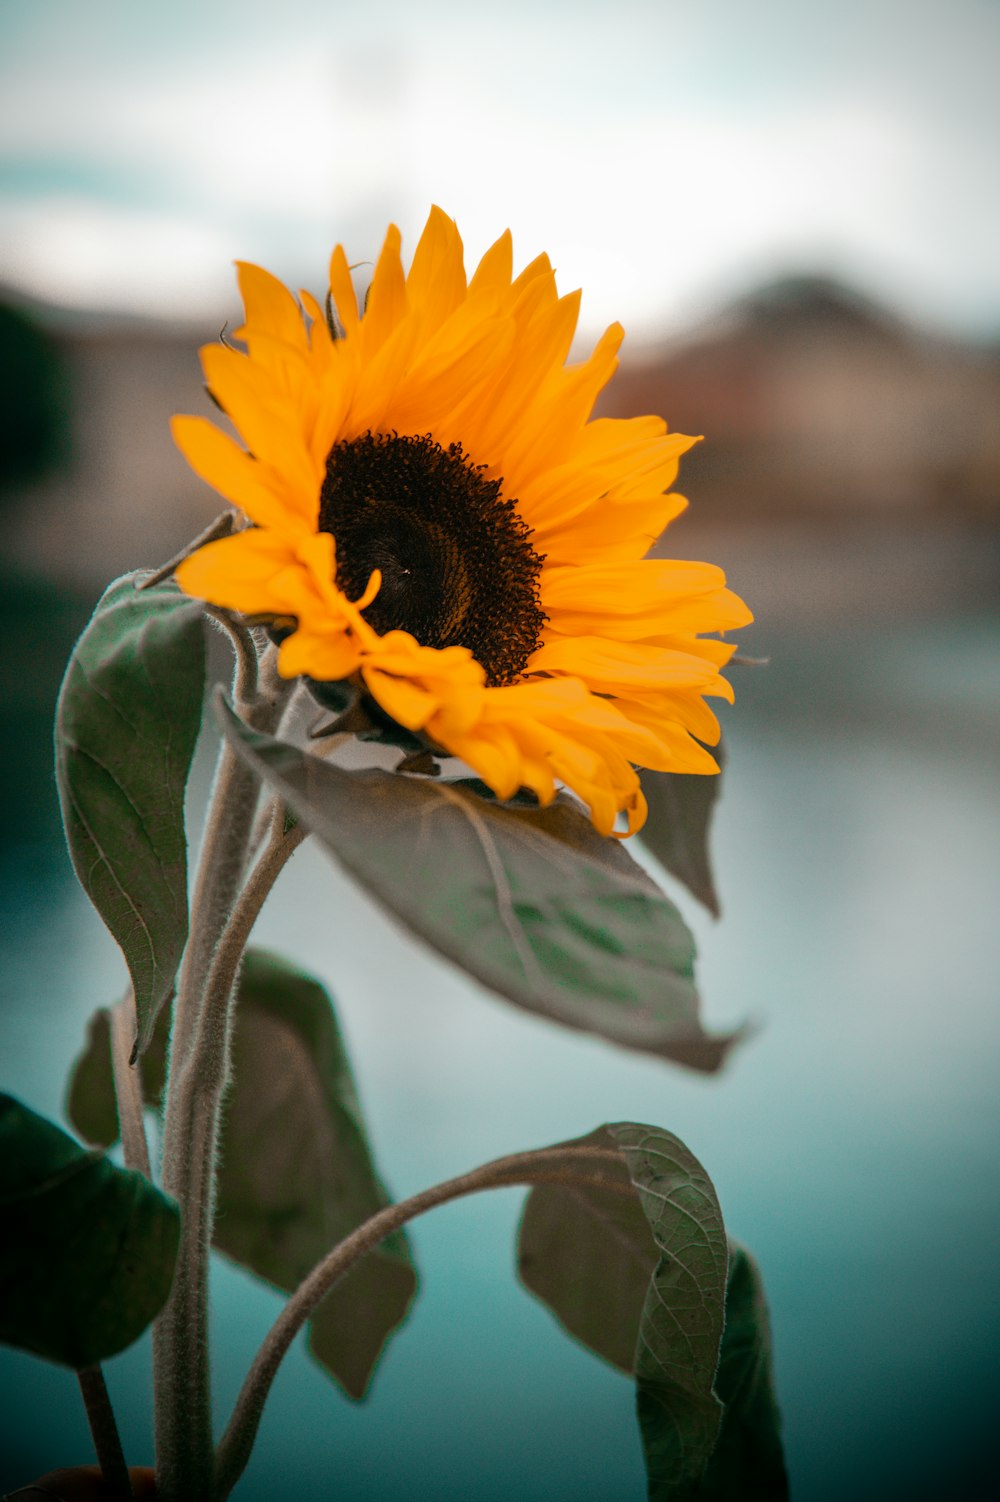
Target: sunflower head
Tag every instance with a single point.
(433, 508)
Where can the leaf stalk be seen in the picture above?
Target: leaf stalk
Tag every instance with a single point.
(104, 1430)
(542, 1166)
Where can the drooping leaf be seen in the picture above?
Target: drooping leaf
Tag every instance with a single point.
(126, 725)
(87, 1250)
(747, 1464)
(680, 1327)
(588, 1254)
(637, 1272)
(532, 902)
(677, 828)
(296, 1174)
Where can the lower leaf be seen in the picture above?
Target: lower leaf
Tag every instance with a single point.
(87, 1250)
(296, 1172)
(632, 1259)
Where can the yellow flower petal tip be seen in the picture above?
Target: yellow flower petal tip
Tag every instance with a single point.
(437, 511)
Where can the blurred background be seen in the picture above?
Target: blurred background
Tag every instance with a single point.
(793, 210)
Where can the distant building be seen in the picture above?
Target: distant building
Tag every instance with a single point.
(121, 497)
(816, 406)
(812, 399)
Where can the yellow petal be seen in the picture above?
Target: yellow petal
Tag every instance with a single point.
(342, 291)
(272, 430)
(629, 650)
(239, 572)
(387, 300)
(436, 281)
(496, 267)
(325, 655)
(234, 474)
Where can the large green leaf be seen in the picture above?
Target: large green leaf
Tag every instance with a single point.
(126, 726)
(681, 805)
(747, 1463)
(637, 1271)
(296, 1173)
(87, 1250)
(532, 902)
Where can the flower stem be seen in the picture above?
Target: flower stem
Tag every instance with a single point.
(107, 1442)
(550, 1165)
(197, 1077)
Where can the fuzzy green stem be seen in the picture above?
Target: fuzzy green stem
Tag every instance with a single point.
(543, 1166)
(103, 1428)
(197, 1076)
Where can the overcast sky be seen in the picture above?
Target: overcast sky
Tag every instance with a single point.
(665, 152)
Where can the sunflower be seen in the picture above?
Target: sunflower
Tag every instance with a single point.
(438, 517)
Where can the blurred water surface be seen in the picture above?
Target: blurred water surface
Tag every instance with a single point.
(853, 1141)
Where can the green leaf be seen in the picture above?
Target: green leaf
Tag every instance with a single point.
(677, 828)
(90, 1094)
(637, 1272)
(634, 1265)
(588, 1254)
(532, 902)
(126, 726)
(87, 1250)
(747, 1463)
(296, 1173)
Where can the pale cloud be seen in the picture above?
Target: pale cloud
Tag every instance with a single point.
(662, 153)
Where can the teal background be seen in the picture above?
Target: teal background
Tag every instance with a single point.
(853, 1140)
(670, 157)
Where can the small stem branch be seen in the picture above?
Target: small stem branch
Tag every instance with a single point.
(128, 1086)
(544, 1166)
(221, 527)
(107, 1443)
(245, 687)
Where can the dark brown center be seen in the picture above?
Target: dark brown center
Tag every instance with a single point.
(457, 564)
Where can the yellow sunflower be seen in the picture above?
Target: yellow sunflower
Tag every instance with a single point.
(435, 510)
